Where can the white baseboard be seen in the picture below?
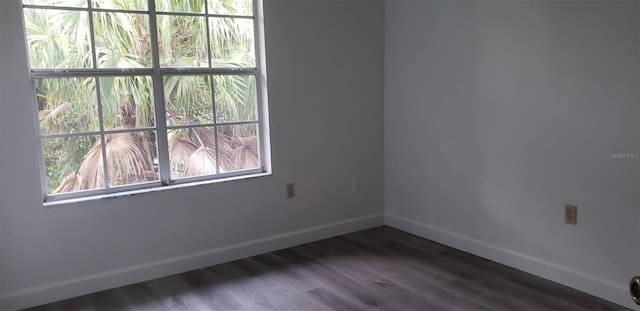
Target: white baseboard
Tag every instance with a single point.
(133, 274)
(606, 289)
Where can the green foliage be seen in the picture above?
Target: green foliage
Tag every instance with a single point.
(63, 156)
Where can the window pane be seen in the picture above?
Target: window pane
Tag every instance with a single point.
(62, 3)
(231, 7)
(131, 157)
(58, 39)
(188, 6)
(122, 40)
(232, 42)
(192, 152)
(235, 98)
(73, 164)
(67, 105)
(183, 41)
(188, 100)
(139, 5)
(238, 147)
(127, 102)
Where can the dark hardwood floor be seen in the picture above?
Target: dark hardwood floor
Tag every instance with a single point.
(376, 269)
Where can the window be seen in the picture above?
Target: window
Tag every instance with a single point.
(134, 94)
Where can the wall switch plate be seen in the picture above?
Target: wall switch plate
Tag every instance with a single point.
(571, 214)
(291, 190)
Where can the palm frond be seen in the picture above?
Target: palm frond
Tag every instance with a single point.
(243, 155)
(180, 150)
(128, 161)
(201, 162)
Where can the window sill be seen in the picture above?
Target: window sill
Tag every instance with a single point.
(149, 190)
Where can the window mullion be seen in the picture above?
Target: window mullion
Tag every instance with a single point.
(94, 60)
(105, 72)
(206, 71)
(215, 123)
(206, 20)
(103, 140)
(158, 99)
(213, 91)
(94, 57)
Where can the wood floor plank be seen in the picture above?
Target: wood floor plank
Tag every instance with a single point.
(367, 277)
(304, 273)
(376, 269)
(332, 300)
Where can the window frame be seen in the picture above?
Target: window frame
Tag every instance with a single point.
(157, 73)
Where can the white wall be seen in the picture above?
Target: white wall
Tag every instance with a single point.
(325, 70)
(498, 113)
(495, 115)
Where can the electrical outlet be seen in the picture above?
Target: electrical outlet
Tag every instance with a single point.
(291, 190)
(571, 214)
